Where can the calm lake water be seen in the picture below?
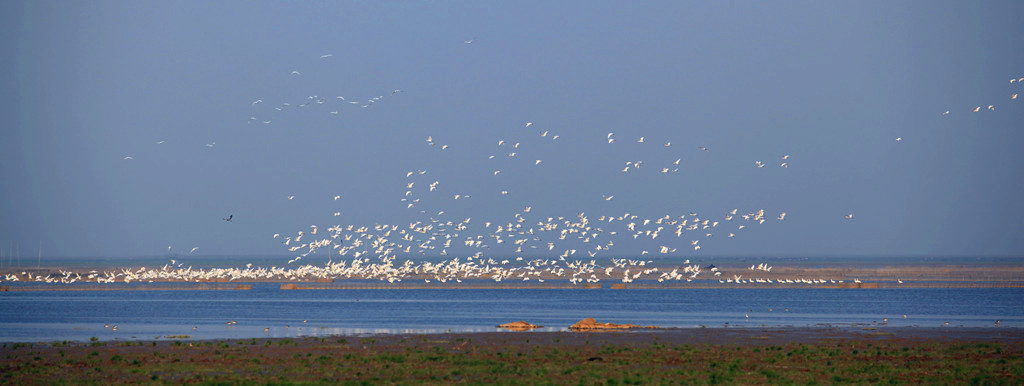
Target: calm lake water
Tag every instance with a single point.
(145, 315)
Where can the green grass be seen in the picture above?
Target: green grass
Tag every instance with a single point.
(460, 360)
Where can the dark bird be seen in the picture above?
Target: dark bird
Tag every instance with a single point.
(230, 216)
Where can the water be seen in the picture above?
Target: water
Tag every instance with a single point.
(143, 315)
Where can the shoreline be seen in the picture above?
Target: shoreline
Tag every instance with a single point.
(741, 335)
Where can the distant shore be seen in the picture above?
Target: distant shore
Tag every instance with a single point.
(901, 276)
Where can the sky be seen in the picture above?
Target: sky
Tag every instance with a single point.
(189, 90)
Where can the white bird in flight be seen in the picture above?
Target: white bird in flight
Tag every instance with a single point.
(296, 73)
(326, 56)
(128, 157)
(193, 250)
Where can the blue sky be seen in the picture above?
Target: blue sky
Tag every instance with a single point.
(831, 84)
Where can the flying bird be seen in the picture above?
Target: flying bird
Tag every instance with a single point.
(326, 56)
(230, 216)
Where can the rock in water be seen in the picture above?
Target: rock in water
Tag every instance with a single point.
(520, 325)
(591, 324)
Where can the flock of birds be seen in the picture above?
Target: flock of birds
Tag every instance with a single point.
(492, 249)
(333, 105)
(473, 269)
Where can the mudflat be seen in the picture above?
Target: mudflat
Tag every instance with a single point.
(713, 355)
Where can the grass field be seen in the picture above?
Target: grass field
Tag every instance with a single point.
(534, 358)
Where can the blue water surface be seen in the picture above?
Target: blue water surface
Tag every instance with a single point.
(80, 315)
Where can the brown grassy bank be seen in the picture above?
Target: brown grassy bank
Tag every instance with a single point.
(733, 356)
